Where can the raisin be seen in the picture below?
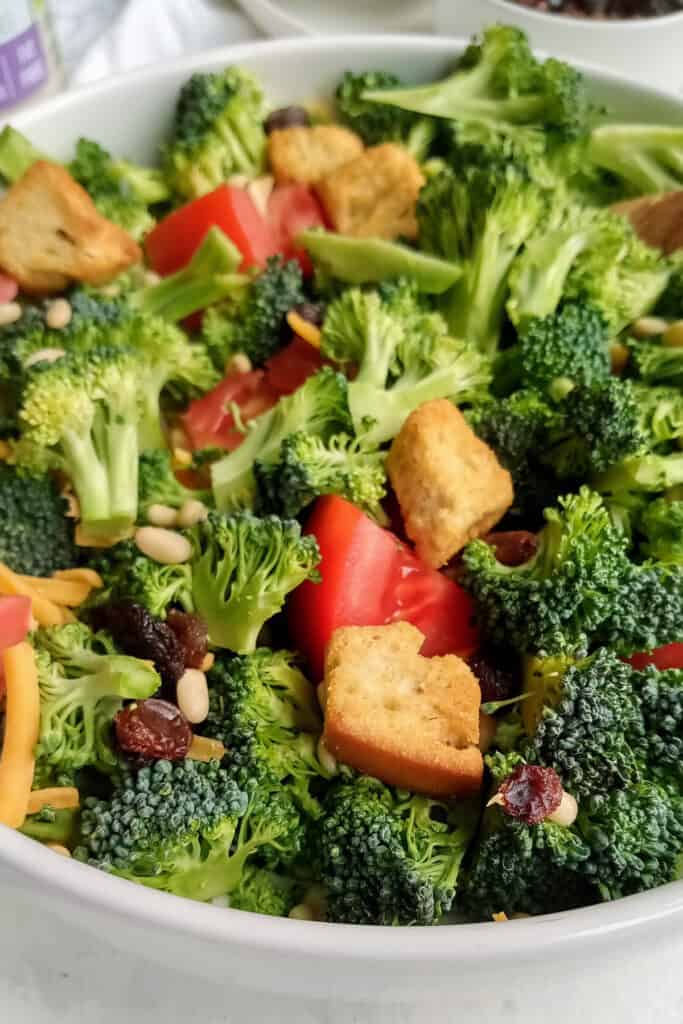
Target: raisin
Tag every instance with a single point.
(153, 729)
(497, 680)
(531, 793)
(138, 633)
(311, 312)
(192, 635)
(287, 117)
(513, 547)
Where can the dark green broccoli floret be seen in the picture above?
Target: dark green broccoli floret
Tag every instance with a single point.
(556, 601)
(253, 322)
(217, 131)
(121, 191)
(158, 484)
(318, 407)
(83, 683)
(589, 725)
(649, 609)
(36, 538)
(242, 570)
(128, 575)
(265, 713)
(307, 467)
(553, 352)
(405, 358)
(265, 892)
(376, 122)
(499, 85)
(172, 826)
(388, 857)
(480, 220)
(643, 157)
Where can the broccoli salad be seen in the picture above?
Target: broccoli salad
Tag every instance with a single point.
(341, 498)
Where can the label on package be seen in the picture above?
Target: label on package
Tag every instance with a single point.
(23, 67)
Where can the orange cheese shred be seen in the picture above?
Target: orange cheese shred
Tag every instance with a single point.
(61, 798)
(22, 727)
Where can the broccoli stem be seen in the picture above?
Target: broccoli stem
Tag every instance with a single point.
(209, 277)
(16, 154)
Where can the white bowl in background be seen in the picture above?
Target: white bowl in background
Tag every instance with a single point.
(645, 49)
(582, 964)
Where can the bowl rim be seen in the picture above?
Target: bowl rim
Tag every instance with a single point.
(71, 882)
(585, 23)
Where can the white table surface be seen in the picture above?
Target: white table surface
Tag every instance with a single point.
(51, 973)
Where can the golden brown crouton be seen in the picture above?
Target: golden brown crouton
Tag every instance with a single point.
(374, 196)
(308, 154)
(449, 484)
(658, 220)
(407, 720)
(51, 234)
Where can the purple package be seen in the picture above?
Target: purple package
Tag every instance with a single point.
(23, 67)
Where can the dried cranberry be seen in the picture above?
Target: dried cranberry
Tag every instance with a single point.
(311, 312)
(513, 547)
(138, 633)
(192, 635)
(153, 729)
(531, 793)
(287, 117)
(498, 681)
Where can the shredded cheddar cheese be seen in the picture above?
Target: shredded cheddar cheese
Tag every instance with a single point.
(22, 727)
(60, 798)
(50, 597)
(501, 917)
(309, 332)
(204, 749)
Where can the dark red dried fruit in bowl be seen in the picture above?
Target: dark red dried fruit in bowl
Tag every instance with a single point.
(513, 547)
(153, 729)
(192, 635)
(531, 793)
(136, 632)
(498, 681)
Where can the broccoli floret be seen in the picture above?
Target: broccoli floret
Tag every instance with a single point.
(555, 351)
(499, 85)
(172, 826)
(50, 826)
(83, 683)
(376, 122)
(265, 713)
(122, 192)
(645, 158)
(525, 869)
(660, 697)
(635, 838)
(242, 570)
(253, 322)
(655, 363)
(649, 610)
(81, 414)
(671, 301)
(128, 575)
(556, 601)
(217, 132)
(318, 407)
(307, 467)
(405, 358)
(36, 538)
(389, 857)
(158, 484)
(518, 428)
(480, 220)
(618, 273)
(266, 892)
(585, 720)
(662, 527)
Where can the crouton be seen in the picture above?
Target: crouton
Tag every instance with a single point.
(308, 154)
(410, 721)
(52, 234)
(449, 484)
(658, 219)
(375, 194)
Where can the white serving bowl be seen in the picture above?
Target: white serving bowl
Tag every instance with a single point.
(559, 964)
(645, 49)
